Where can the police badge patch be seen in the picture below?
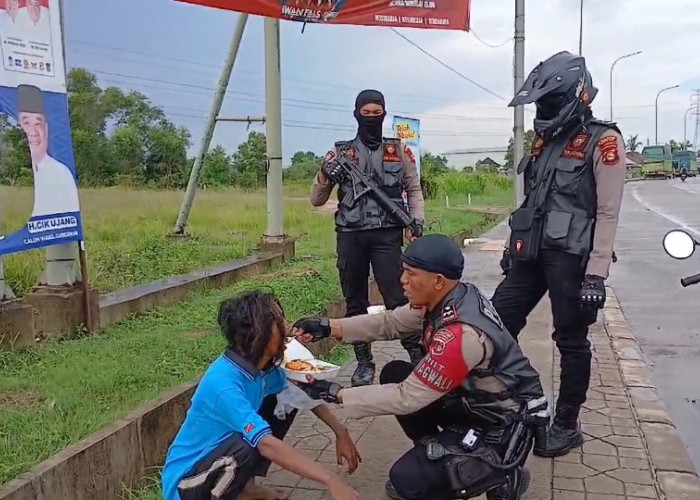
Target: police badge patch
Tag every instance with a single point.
(487, 309)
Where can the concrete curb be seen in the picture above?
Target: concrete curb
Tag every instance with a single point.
(669, 459)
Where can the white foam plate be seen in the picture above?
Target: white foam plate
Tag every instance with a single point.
(330, 373)
(296, 350)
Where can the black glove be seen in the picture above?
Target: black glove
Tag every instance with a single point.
(321, 389)
(416, 230)
(318, 328)
(506, 262)
(333, 171)
(593, 291)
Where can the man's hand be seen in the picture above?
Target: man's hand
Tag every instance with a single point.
(320, 389)
(333, 171)
(311, 329)
(346, 451)
(593, 292)
(342, 491)
(411, 235)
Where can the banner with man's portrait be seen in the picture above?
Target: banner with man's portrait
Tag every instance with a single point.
(33, 96)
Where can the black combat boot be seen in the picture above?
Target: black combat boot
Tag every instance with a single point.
(514, 489)
(364, 373)
(562, 436)
(391, 491)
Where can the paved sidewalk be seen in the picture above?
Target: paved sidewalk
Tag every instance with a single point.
(632, 450)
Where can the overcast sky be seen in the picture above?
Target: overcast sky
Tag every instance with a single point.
(173, 52)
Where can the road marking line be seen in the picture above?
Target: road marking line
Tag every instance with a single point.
(660, 212)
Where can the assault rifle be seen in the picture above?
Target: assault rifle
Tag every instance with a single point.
(340, 169)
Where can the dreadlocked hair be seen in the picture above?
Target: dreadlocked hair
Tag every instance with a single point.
(247, 322)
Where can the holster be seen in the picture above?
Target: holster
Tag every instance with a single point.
(471, 474)
(525, 233)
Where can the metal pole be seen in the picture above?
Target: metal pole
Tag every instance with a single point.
(273, 129)
(685, 123)
(211, 123)
(656, 114)
(580, 31)
(611, 78)
(519, 111)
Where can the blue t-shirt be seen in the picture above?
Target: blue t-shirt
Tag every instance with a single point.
(225, 402)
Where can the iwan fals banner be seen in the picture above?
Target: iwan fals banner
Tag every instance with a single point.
(408, 130)
(33, 94)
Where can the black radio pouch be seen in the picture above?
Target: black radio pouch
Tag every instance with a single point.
(525, 233)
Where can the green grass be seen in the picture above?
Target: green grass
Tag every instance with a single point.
(55, 395)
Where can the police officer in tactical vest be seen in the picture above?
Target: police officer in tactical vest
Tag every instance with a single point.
(366, 232)
(562, 235)
(467, 403)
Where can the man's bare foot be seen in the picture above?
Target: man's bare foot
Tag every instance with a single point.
(254, 491)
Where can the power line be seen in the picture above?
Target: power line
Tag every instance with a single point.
(485, 89)
(492, 46)
(305, 83)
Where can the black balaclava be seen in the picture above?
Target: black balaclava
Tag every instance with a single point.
(369, 128)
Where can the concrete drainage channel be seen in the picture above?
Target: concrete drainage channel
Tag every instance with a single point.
(102, 465)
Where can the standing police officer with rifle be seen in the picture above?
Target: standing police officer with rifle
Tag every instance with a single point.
(562, 235)
(367, 232)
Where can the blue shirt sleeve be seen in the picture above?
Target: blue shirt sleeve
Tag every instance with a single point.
(233, 406)
(274, 381)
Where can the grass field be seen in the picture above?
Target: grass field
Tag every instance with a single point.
(54, 396)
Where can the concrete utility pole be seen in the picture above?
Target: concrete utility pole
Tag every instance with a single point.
(611, 78)
(696, 109)
(273, 129)
(211, 123)
(656, 114)
(519, 111)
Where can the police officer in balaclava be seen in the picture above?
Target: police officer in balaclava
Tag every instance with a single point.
(366, 232)
(562, 235)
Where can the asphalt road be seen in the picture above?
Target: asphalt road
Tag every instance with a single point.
(664, 316)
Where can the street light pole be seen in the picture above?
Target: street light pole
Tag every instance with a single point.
(685, 123)
(656, 113)
(611, 78)
(519, 111)
(580, 31)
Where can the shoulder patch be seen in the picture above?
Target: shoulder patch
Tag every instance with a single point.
(408, 152)
(488, 310)
(439, 342)
(609, 150)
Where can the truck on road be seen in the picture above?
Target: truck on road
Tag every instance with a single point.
(657, 162)
(685, 160)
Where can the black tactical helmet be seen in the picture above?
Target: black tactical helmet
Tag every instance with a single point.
(562, 89)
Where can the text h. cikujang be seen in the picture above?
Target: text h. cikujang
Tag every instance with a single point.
(54, 224)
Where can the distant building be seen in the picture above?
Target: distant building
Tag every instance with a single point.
(459, 159)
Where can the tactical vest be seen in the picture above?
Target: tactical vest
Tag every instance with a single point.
(467, 305)
(385, 167)
(570, 202)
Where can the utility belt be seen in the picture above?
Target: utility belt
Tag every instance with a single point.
(483, 458)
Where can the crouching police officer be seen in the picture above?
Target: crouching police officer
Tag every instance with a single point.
(472, 402)
(366, 231)
(562, 235)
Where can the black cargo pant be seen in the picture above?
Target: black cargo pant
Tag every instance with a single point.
(516, 296)
(224, 473)
(381, 248)
(414, 475)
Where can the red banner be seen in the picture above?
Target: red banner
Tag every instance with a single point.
(426, 14)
